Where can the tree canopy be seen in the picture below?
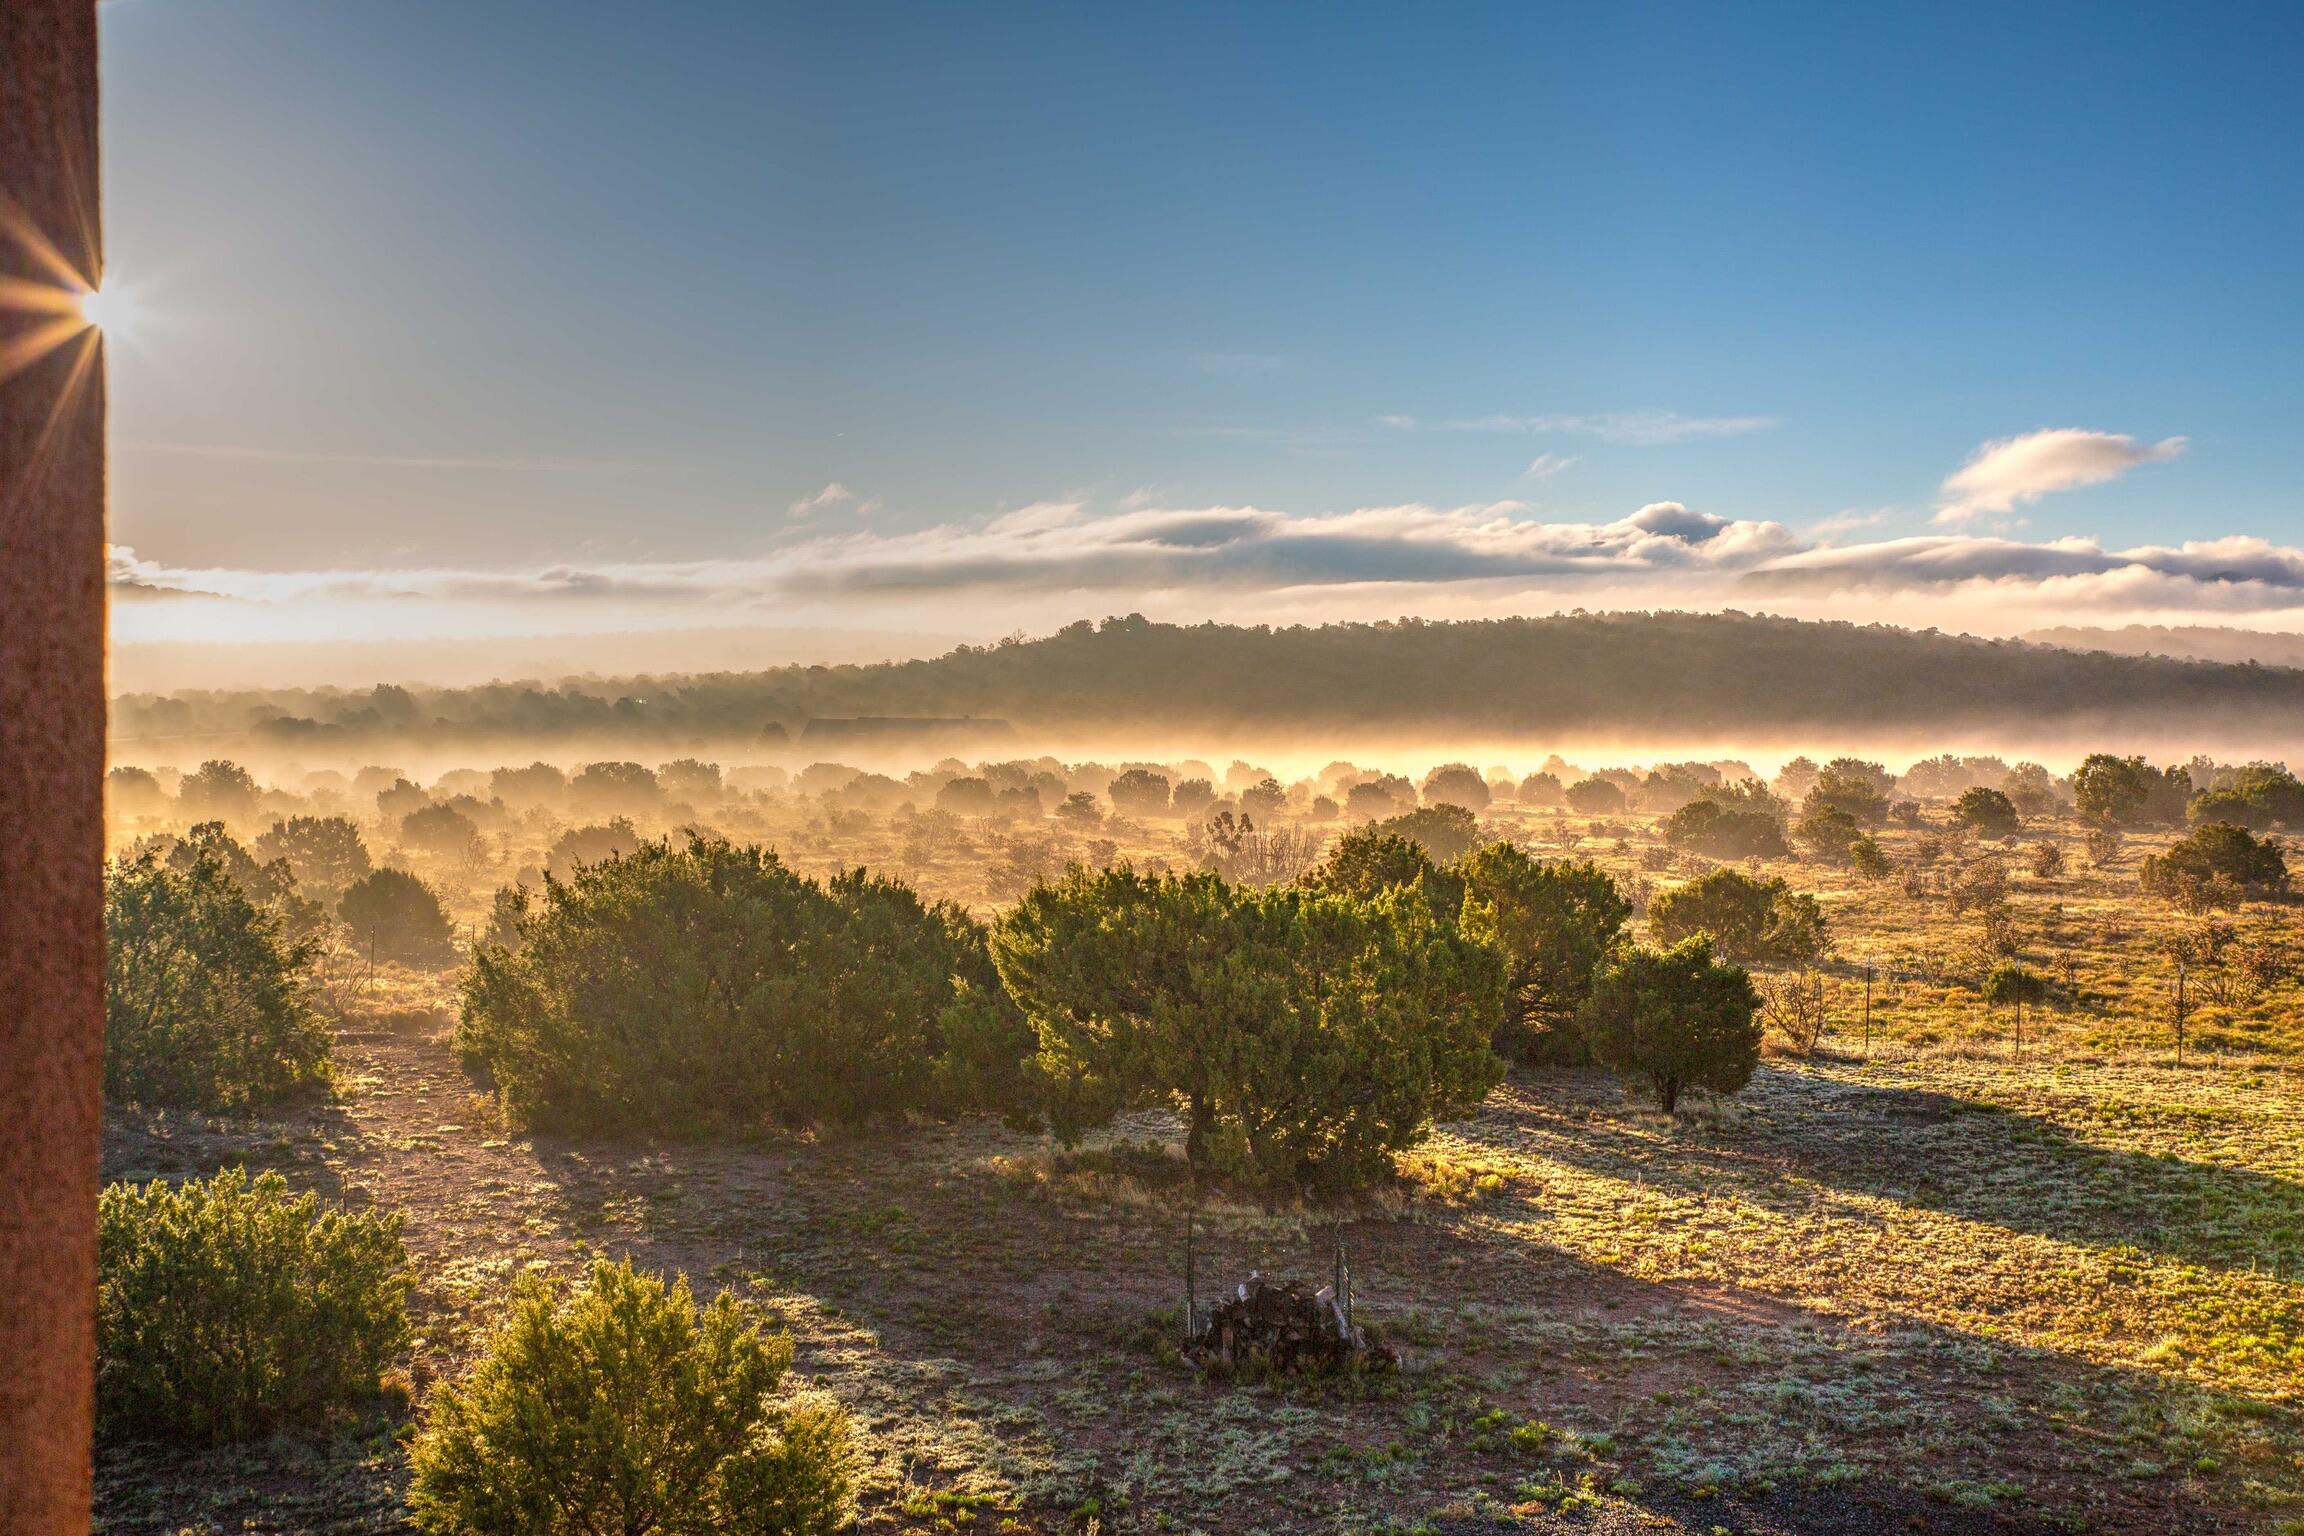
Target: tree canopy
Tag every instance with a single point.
(1305, 1035)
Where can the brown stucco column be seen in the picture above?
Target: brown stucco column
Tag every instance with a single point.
(51, 764)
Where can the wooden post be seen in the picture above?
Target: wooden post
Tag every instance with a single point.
(2179, 1010)
(51, 762)
(1191, 1296)
(1867, 1010)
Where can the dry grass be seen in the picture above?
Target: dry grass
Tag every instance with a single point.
(1928, 1286)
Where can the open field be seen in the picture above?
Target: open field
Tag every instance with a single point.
(1933, 1275)
(1963, 1294)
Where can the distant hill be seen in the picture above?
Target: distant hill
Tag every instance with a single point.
(2190, 642)
(1631, 675)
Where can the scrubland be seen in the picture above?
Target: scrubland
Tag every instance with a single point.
(1941, 1265)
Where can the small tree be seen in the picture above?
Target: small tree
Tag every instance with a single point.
(2129, 792)
(325, 852)
(1988, 812)
(1729, 826)
(1444, 832)
(2217, 865)
(1869, 859)
(1596, 797)
(622, 1407)
(1846, 784)
(589, 845)
(221, 790)
(1542, 791)
(1140, 792)
(1305, 1036)
(1265, 798)
(1368, 862)
(442, 831)
(227, 1309)
(1554, 923)
(1829, 832)
(1676, 1018)
(205, 1004)
(1458, 784)
(709, 988)
(615, 789)
(1764, 921)
(398, 918)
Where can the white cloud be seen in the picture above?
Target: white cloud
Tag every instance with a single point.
(1057, 559)
(2011, 472)
(831, 496)
(1545, 465)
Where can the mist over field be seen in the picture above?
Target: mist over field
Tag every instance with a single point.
(1602, 687)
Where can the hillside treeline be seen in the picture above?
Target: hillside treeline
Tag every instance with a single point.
(1671, 673)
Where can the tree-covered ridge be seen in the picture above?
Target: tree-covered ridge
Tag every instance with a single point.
(1671, 672)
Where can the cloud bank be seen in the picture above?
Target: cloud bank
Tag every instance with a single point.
(1050, 561)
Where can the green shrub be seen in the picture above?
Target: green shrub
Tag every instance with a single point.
(1368, 861)
(618, 1407)
(1676, 1018)
(227, 1309)
(205, 1004)
(1720, 829)
(1305, 1036)
(1988, 811)
(1829, 832)
(1444, 831)
(1851, 785)
(1762, 921)
(397, 917)
(709, 988)
(2217, 864)
(1554, 922)
(2129, 792)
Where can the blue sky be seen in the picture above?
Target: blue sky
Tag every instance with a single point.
(508, 289)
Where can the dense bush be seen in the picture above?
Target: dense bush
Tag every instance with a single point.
(708, 987)
(1987, 812)
(1458, 784)
(325, 852)
(1596, 797)
(1140, 792)
(622, 1408)
(2217, 865)
(1676, 1018)
(1749, 920)
(205, 1003)
(1828, 831)
(1722, 828)
(226, 1309)
(397, 917)
(1554, 923)
(1368, 861)
(1850, 785)
(1306, 1036)
(2129, 792)
(1444, 832)
(2258, 796)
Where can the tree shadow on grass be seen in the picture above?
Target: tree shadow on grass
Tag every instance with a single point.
(1935, 1151)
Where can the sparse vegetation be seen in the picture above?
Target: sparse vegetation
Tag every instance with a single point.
(1686, 1311)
